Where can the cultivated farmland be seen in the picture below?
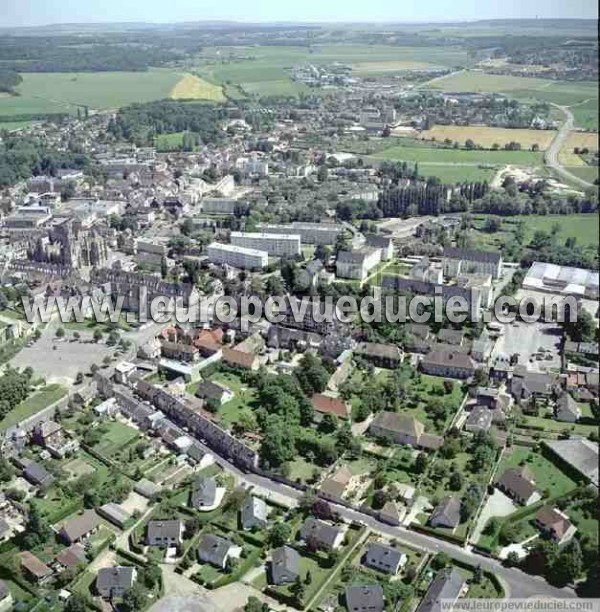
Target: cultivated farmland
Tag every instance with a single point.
(488, 136)
(191, 87)
(458, 156)
(62, 92)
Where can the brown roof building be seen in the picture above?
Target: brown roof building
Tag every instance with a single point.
(519, 484)
(326, 404)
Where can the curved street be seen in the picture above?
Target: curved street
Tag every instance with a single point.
(551, 157)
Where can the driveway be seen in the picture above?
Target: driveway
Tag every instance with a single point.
(520, 548)
(497, 504)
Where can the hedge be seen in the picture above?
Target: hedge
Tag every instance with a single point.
(454, 539)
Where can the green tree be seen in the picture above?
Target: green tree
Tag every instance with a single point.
(279, 534)
(134, 599)
(60, 332)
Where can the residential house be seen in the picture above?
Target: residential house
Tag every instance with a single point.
(335, 485)
(403, 429)
(320, 535)
(326, 404)
(555, 524)
(254, 513)
(112, 582)
(285, 565)
(114, 513)
(80, 527)
(240, 359)
(480, 419)
(165, 533)
(215, 550)
(525, 385)
(454, 337)
(385, 558)
(380, 355)
(567, 410)
(204, 493)
(365, 598)
(446, 513)
(451, 364)
(213, 390)
(36, 570)
(519, 484)
(391, 513)
(37, 475)
(147, 488)
(72, 556)
(447, 586)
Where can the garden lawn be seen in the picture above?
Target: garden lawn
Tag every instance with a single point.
(547, 475)
(116, 436)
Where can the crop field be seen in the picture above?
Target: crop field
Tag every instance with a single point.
(266, 70)
(458, 156)
(60, 92)
(191, 87)
(447, 173)
(586, 114)
(587, 173)
(479, 81)
(587, 140)
(488, 136)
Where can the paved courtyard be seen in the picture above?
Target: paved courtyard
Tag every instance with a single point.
(58, 361)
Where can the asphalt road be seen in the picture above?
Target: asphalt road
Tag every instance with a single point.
(551, 157)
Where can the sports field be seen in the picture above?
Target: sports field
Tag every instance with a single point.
(191, 87)
(459, 156)
(62, 92)
(488, 136)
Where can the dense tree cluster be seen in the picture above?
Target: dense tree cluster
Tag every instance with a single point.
(22, 157)
(140, 123)
(9, 79)
(15, 386)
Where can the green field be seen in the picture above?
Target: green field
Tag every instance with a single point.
(267, 70)
(587, 173)
(58, 92)
(583, 227)
(434, 155)
(33, 404)
(456, 174)
(583, 94)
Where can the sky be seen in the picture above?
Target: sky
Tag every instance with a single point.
(43, 12)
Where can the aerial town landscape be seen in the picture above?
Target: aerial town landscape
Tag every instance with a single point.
(235, 462)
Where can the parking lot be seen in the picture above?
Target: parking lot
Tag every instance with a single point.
(527, 339)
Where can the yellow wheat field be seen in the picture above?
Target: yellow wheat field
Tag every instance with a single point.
(582, 140)
(191, 87)
(487, 136)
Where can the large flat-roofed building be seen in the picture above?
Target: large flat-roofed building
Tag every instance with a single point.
(276, 245)
(310, 233)
(467, 261)
(220, 206)
(562, 279)
(237, 256)
(28, 217)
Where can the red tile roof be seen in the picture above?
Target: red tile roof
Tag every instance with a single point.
(329, 405)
